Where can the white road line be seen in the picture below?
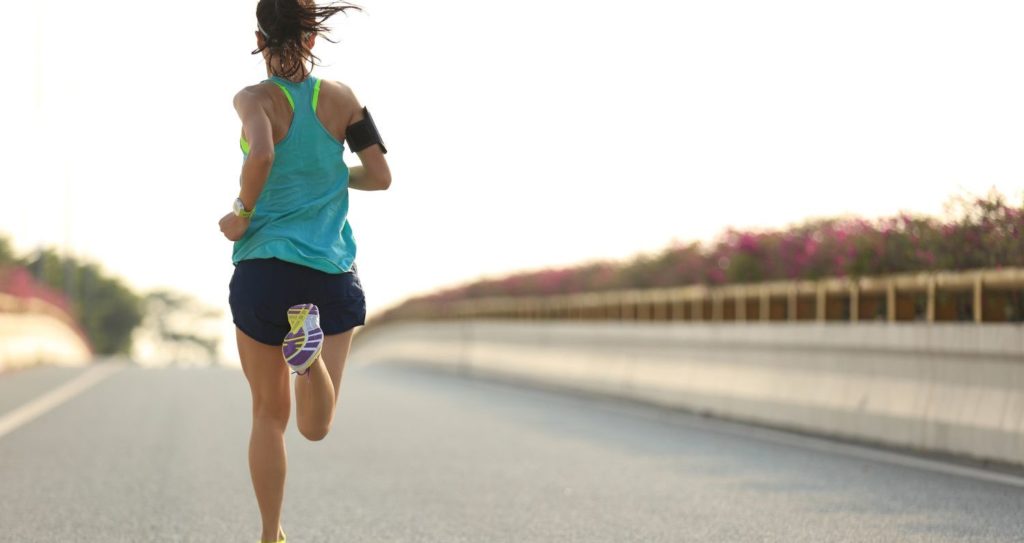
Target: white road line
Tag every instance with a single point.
(890, 457)
(851, 450)
(24, 414)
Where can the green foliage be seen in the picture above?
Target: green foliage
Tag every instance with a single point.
(6, 253)
(107, 310)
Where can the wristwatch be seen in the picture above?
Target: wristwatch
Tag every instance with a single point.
(239, 209)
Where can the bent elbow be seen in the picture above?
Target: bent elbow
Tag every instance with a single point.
(384, 183)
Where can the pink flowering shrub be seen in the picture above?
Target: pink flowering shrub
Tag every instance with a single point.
(19, 283)
(977, 232)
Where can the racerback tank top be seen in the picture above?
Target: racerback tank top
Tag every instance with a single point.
(302, 214)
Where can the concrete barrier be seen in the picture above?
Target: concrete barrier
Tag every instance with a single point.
(32, 332)
(941, 388)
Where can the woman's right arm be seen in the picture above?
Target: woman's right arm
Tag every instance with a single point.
(252, 107)
(257, 130)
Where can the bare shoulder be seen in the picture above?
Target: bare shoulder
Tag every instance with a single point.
(343, 98)
(339, 90)
(339, 106)
(253, 95)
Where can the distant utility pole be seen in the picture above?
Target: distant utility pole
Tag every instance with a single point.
(38, 72)
(70, 289)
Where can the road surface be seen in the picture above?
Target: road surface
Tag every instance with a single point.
(139, 455)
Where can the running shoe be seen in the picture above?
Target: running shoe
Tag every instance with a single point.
(304, 342)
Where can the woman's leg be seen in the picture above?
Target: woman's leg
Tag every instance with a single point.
(316, 393)
(267, 372)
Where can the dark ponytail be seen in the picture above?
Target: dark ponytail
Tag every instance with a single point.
(286, 25)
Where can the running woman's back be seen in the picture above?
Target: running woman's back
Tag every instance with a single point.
(302, 214)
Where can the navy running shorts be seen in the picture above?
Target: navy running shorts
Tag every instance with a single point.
(262, 290)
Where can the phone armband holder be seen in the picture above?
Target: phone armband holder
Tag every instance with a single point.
(363, 134)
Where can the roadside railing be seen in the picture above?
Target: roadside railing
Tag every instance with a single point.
(979, 296)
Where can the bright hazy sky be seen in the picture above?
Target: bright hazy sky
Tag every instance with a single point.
(520, 135)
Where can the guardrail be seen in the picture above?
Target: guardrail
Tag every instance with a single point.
(978, 296)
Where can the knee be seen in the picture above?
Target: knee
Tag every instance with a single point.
(273, 410)
(314, 432)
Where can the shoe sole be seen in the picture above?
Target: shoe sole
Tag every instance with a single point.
(301, 348)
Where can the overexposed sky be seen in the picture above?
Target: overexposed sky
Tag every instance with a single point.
(520, 135)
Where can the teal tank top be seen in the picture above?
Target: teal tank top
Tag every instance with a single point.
(302, 214)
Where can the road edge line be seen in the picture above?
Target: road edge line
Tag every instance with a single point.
(28, 412)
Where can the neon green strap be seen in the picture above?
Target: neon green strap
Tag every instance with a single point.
(287, 95)
(245, 144)
(316, 93)
(316, 97)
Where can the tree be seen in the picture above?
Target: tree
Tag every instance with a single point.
(107, 310)
(6, 253)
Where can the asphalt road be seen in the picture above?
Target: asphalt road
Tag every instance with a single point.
(160, 455)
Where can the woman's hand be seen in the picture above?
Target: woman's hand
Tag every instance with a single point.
(233, 226)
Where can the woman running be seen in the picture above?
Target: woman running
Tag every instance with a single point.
(295, 296)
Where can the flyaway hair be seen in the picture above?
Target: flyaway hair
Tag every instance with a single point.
(286, 26)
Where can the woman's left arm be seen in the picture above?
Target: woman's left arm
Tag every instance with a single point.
(251, 107)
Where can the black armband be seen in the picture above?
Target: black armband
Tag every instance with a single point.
(363, 134)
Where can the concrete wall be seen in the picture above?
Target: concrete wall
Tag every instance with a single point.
(32, 332)
(947, 388)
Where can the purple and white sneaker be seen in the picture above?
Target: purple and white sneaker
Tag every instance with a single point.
(304, 342)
